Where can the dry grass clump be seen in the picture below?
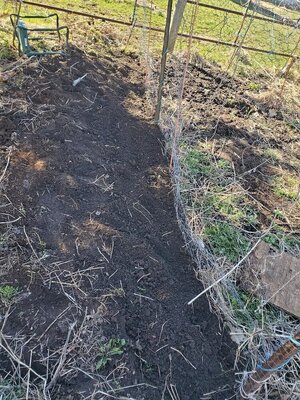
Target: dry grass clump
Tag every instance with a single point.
(281, 96)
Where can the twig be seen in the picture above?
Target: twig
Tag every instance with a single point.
(10, 222)
(29, 242)
(10, 352)
(188, 361)
(7, 164)
(62, 358)
(227, 273)
(53, 322)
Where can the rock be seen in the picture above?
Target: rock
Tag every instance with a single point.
(273, 276)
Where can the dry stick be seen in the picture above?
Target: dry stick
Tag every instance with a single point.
(7, 164)
(53, 322)
(150, 25)
(17, 20)
(240, 46)
(273, 364)
(12, 355)
(112, 396)
(28, 377)
(186, 359)
(29, 242)
(289, 65)
(62, 358)
(227, 273)
(10, 222)
(15, 65)
(236, 50)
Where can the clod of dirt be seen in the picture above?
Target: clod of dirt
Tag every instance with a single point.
(7, 128)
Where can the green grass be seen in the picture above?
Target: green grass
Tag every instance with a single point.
(279, 239)
(6, 50)
(273, 154)
(226, 240)
(211, 23)
(108, 351)
(287, 186)
(8, 294)
(248, 310)
(199, 162)
(254, 86)
(233, 207)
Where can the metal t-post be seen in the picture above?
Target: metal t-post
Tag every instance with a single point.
(163, 61)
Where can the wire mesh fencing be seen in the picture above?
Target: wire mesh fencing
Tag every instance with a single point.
(230, 112)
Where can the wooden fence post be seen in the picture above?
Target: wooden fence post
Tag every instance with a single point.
(176, 21)
(163, 61)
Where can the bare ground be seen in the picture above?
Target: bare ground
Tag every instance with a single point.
(96, 252)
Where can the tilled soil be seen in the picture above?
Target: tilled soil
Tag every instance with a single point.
(248, 127)
(96, 252)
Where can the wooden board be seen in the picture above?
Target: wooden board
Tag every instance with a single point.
(275, 277)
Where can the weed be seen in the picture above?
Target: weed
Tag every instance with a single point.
(279, 214)
(286, 185)
(279, 239)
(201, 163)
(108, 350)
(8, 294)
(248, 308)
(253, 86)
(22, 210)
(273, 154)
(226, 241)
(6, 52)
(10, 390)
(198, 163)
(231, 206)
(147, 367)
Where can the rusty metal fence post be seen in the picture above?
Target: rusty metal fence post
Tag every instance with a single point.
(277, 361)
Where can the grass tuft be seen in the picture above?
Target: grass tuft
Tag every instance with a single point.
(287, 186)
(226, 241)
(8, 294)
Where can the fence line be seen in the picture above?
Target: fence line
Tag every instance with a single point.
(287, 22)
(141, 26)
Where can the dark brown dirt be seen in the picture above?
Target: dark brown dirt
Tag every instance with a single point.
(89, 181)
(223, 112)
(6, 131)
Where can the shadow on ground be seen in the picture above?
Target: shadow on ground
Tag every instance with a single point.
(97, 242)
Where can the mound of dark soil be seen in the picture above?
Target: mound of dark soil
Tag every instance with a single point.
(98, 241)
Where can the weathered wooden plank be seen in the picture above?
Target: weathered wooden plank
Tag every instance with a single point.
(275, 277)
